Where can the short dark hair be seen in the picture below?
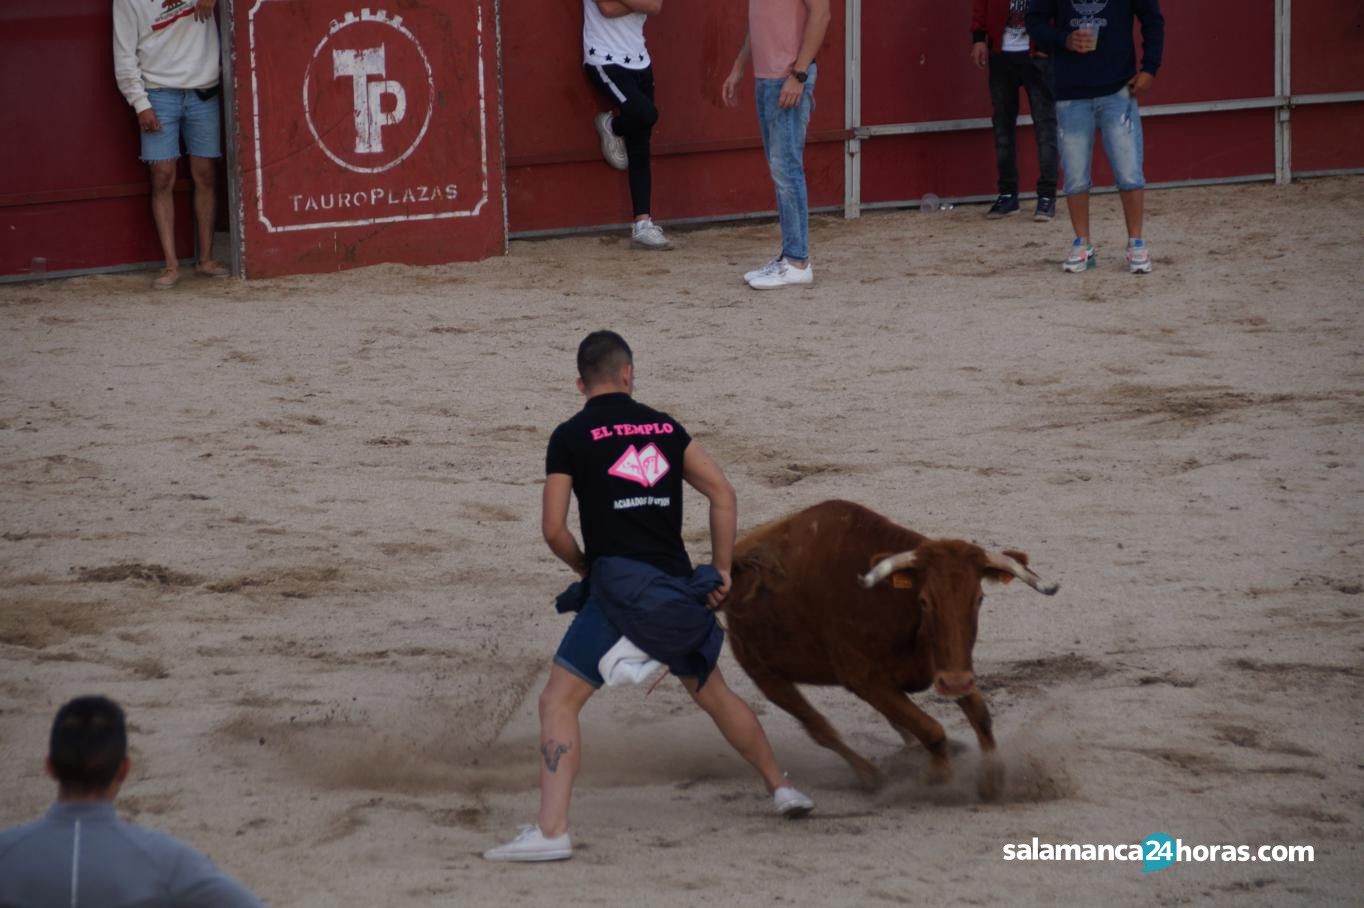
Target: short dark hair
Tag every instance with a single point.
(601, 356)
(89, 742)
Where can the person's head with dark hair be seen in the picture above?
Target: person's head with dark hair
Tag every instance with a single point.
(605, 364)
(88, 750)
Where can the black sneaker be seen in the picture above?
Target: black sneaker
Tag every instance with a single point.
(1046, 209)
(1005, 205)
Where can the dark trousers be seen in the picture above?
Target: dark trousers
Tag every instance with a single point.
(1008, 74)
(632, 91)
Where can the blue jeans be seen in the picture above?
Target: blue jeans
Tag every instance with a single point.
(1009, 73)
(784, 144)
(182, 113)
(1118, 119)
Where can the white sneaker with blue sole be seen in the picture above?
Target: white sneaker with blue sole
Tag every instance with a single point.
(1138, 257)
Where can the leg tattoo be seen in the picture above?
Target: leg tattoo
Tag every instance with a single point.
(552, 750)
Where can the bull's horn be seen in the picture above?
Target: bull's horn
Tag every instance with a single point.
(1005, 563)
(885, 567)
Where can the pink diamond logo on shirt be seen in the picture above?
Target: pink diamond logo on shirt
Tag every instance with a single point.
(644, 467)
(654, 464)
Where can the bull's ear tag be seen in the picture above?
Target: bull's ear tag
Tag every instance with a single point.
(901, 581)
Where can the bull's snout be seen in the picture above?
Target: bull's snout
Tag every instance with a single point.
(954, 684)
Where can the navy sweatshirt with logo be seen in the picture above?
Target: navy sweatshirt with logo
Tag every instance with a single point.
(1113, 62)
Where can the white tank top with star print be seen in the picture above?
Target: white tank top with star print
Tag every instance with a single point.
(613, 42)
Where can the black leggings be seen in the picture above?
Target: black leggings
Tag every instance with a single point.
(632, 91)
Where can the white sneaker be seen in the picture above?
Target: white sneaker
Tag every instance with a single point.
(649, 235)
(530, 844)
(790, 803)
(1081, 257)
(783, 274)
(1138, 257)
(612, 145)
(765, 269)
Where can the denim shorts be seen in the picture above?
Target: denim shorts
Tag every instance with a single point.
(587, 639)
(1118, 120)
(183, 113)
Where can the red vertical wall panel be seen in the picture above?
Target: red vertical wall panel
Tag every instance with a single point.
(707, 158)
(1327, 58)
(1327, 46)
(72, 189)
(1216, 50)
(367, 134)
(1328, 137)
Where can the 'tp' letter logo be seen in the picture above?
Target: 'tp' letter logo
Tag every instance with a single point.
(367, 75)
(370, 117)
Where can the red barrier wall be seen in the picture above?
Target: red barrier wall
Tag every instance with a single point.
(367, 134)
(72, 190)
(1327, 57)
(922, 47)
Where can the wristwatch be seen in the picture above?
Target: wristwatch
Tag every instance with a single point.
(800, 75)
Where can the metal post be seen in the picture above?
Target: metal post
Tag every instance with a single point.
(502, 130)
(232, 136)
(1283, 88)
(852, 109)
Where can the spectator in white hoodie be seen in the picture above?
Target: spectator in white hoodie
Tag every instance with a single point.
(167, 65)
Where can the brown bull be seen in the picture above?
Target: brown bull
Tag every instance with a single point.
(802, 611)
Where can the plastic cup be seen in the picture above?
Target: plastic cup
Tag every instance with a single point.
(930, 202)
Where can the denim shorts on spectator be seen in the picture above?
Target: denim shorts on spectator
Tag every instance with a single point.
(183, 114)
(1117, 119)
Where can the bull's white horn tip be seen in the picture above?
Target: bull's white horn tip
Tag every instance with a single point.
(1049, 588)
(866, 580)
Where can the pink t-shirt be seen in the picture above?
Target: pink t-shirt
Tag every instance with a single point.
(775, 29)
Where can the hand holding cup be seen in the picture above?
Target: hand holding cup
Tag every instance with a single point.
(1084, 39)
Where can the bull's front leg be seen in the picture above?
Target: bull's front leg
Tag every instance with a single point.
(902, 712)
(786, 695)
(990, 780)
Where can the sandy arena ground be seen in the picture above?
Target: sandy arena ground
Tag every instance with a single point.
(293, 526)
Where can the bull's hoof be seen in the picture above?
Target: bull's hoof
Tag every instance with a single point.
(990, 779)
(868, 776)
(939, 773)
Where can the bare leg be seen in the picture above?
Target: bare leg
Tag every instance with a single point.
(787, 696)
(163, 208)
(204, 171)
(561, 701)
(739, 724)
(1078, 206)
(1133, 211)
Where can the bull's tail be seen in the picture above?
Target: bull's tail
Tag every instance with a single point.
(755, 572)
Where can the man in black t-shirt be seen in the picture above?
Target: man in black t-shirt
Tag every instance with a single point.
(625, 463)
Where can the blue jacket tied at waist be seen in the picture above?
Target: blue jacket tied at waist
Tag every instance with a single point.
(663, 615)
